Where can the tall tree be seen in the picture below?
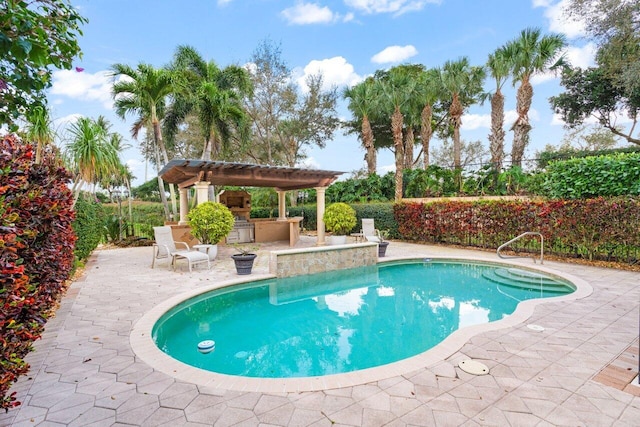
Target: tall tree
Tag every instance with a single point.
(593, 93)
(530, 53)
(273, 100)
(396, 89)
(90, 152)
(499, 66)
(286, 118)
(35, 36)
(215, 96)
(39, 129)
(142, 91)
(463, 83)
(362, 99)
(313, 122)
(429, 91)
(604, 18)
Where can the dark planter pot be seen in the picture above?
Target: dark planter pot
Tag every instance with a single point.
(382, 248)
(244, 263)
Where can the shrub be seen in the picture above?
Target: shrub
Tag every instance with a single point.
(210, 222)
(600, 228)
(88, 226)
(382, 214)
(339, 218)
(589, 177)
(36, 252)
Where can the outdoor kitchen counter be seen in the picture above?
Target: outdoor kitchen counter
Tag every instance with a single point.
(273, 230)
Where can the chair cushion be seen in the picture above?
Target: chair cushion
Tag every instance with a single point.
(192, 255)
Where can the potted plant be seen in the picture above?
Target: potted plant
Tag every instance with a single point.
(340, 218)
(244, 258)
(210, 222)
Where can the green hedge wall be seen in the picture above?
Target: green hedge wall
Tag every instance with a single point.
(595, 176)
(88, 226)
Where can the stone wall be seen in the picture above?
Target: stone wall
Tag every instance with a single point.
(294, 262)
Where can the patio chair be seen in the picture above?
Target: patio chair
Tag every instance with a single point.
(165, 247)
(369, 231)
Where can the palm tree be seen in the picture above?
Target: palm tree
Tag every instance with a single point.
(396, 89)
(361, 103)
(463, 83)
(39, 129)
(429, 90)
(142, 91)
(499, 66)
(530, 53)
(215, 95)
(90, 153)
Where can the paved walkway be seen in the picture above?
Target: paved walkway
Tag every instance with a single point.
(84, 372)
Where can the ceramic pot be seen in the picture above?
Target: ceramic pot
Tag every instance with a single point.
(244, 263)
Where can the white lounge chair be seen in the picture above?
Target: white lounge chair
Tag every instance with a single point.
(165, 247)
(369, 231)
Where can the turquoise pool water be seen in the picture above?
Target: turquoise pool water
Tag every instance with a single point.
(343, 321)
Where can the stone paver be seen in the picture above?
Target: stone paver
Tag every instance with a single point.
(575, 372)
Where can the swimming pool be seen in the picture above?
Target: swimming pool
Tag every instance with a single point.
(344, 321)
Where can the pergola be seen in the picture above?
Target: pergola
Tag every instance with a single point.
(201, 174)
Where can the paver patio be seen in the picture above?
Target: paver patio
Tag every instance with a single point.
(84, 372)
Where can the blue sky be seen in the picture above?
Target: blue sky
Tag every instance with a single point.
(347, 40)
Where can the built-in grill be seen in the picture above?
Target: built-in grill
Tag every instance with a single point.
(243, 232)
(239, 202)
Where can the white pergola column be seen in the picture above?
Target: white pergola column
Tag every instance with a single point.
(202, 192)
(184, 206)
(282, 205)
(319, 214)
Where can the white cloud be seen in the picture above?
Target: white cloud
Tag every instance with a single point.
(308, 13)
(348, 17)
(63, 122)
(224, 2)
(83, 86)
(582, 57)
(559, 21)
(384, 169)
(577, 56)
(397, 7)
(475, 121)
(544, 77)
(335, 71)
(308, 163)
(394, 54)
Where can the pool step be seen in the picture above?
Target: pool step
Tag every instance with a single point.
(517, 278)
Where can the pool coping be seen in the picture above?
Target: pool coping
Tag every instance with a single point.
(144, 347)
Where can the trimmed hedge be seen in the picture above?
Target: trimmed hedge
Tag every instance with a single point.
(596, 176)
(36, 253)
(603, 229)
(88, 226)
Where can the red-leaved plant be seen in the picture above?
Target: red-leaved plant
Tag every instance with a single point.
(36, 253)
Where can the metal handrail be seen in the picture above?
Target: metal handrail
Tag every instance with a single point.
(527, 233)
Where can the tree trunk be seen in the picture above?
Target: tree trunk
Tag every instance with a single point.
(521, 126)
(496, 137)
(425, 133)
(367, 140)
(409, 142)
(455, 112)
(396, 129)
(160, 149)
(206, 152)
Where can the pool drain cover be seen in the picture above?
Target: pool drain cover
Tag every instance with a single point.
(473, 367)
